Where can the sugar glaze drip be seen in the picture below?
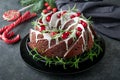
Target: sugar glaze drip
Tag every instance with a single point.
(64, 19)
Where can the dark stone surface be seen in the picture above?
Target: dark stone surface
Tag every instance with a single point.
(12, 67)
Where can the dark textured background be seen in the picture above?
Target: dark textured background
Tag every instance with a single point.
(12, 67)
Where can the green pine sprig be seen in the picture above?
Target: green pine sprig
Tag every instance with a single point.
(51, 3)
(38, 5)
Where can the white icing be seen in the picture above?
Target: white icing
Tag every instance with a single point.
(90, 32)
(56, 24)
(30, 35)
(36, 33)
(48, 37)
(44, 20)
(54, 19)
(66, 43)
(64, 20)
(63, 24)
(82, 35)
(57, 40)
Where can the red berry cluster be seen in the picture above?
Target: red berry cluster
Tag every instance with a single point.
(75, 15)
(42, 26)
(72, 16)
(83, 23)
(65, 35)
(48, 8)
(60, 14)
(78, 32)
(48, 18)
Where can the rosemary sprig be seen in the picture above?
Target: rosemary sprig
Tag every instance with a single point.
(74, 8)
(60, 61)
(34, 23)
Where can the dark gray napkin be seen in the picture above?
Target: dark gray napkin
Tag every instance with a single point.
(105, 17)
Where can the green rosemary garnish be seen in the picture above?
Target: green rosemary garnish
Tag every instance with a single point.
(73, 62)
(34, 23)
(74, 9)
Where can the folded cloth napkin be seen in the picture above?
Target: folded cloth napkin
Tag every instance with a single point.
(105, 17)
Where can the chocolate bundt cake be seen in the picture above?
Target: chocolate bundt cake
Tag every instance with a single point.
(64, 34)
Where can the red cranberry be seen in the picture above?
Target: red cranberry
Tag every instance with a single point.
(78, 33)
(83, 23)
(46, 4)
(49, 8)
(79, 29)
(65, 35)
(48, 18)
(40, 21)
(78, 14)
(63, 12)
(42, 27)
(72, 16)
(45, 11)
(54, 10)
(59, 15)
(53, 33)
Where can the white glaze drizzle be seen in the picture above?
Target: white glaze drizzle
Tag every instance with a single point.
(36, 34)
(63, 25)
(82, 35)
(45, 36)
(48, 37)
(44, 20)
(57, 40)
(90, 32)
(64, 19)
(53, 20)
(66, 42)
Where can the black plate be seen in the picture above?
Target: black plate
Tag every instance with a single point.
(85, 65)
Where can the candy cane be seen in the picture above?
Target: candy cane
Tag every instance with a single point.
(5, 36)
